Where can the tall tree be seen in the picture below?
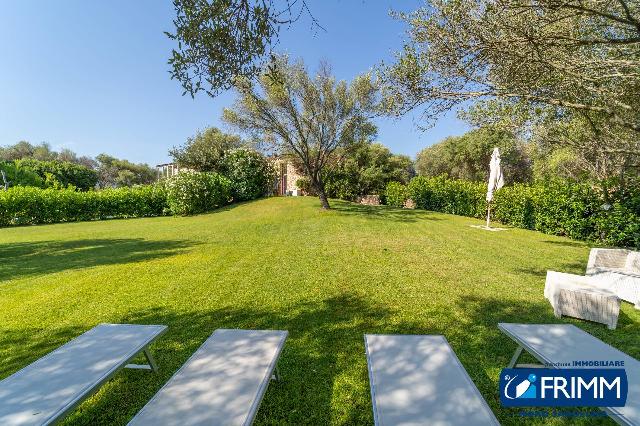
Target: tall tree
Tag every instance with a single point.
(114, 172)
(306, 116)
(573, 61)
(220, 40)
(205, 151)
(467, 156)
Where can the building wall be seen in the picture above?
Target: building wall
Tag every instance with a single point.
(287, 178)
(168, 170)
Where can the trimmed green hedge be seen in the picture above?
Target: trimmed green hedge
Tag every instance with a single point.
(25, 205)
(574, 210)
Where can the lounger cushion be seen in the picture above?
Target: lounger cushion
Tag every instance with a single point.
(418, 380)
(47, 389)
(221, 384)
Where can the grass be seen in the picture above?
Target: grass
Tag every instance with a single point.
(281, 263)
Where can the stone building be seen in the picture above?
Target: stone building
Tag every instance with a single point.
(287, 176)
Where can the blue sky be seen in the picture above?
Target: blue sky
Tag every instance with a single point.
(92, 76)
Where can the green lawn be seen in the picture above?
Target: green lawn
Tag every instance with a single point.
(281, 263)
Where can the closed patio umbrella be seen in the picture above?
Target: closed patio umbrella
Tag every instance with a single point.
(495, 180)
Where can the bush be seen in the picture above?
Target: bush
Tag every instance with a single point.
(250, 174)
(29, 205)
(62, 173)
(396, 194)
(564, 208)
(16, 174)
(197, 192)
(448, 195)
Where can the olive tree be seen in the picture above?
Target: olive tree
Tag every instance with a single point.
(219, 40)
(570, 65)
(306, 116)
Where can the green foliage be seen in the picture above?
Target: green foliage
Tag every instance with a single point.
(197, 192)
(250, 174)
(18, 175)
(569, 209)
(62, 174)
(396, 194)
(305, 116)
(42, 152)
(366, 168)
(205, 151)
(29, 205)
(448, 195)
(221, 40)
(114, 172)
(467, 157)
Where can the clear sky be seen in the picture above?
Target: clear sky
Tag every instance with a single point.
(92, 76)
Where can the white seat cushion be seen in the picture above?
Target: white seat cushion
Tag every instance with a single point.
(632, 263)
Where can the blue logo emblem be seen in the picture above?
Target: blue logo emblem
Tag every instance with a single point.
(593, 387)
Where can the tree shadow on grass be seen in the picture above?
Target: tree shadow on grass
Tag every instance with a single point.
(571, 268)
(323, 363)
(394, 214)
(20, 260)
(324, 349)
(567, 243)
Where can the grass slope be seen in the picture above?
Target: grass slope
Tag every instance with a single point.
(281, 263)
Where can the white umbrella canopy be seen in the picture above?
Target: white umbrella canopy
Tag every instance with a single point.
(496, 181)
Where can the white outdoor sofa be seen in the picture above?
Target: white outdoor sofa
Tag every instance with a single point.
(582, 297)
(418, 380)
(559, 344)
(619, 270)
(221, 384)
(45, 391)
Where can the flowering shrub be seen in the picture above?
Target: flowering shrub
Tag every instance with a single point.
(396, 194)
(197, 192)
(250, 174)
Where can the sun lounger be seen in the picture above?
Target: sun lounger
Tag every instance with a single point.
(47, 390)
(418, 380)
(221, 384)
(555, 344)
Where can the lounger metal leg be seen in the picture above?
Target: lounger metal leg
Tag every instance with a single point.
(515, 356)
(151, 363)
(276, 374)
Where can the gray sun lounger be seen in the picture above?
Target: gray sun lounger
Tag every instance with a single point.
(556, 344)
(418, 380)
(221, 384)
(48, 389)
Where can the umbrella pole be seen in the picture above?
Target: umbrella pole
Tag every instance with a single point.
(488, 213)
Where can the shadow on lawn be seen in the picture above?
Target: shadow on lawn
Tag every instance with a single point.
(541, 272)
(567, 243)
(381, 212)
(323, 364)
(19, 260)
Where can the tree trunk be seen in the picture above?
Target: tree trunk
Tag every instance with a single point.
(318, 185)
(323, 199)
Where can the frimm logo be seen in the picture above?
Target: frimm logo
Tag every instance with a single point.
(540, 387)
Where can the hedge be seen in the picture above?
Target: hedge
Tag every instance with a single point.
(62, 172)
(569, 209)
(25, 205)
